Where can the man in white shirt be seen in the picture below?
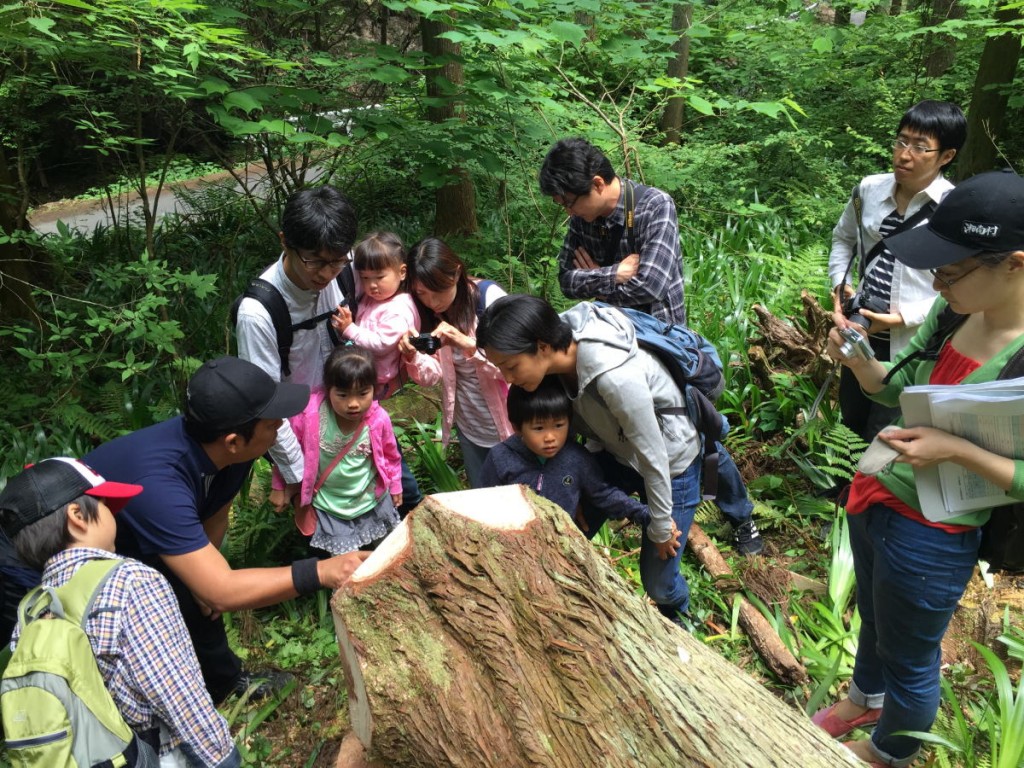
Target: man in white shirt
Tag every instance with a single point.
(318, 229)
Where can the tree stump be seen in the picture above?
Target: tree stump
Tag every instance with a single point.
(487, 632)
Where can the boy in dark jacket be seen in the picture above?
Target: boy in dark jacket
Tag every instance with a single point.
(539, 455)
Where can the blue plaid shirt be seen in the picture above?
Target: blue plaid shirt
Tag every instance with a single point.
(657, 287)
(146, 658)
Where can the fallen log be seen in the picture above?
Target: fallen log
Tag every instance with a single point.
(763, 637)
(487, 632)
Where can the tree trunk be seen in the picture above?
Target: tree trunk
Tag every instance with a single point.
(456, 202)
(487, 632)
(17, 274)
(940, 49)
(996, 71)
(678, 66)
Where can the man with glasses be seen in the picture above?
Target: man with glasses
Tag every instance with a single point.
(602, 259)
(927, 139)
(597, 260)
(318, 228)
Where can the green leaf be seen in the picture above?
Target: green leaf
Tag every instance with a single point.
(822, 45)
(242, 100)
(567, 32)
(700, 104)
(43, 24)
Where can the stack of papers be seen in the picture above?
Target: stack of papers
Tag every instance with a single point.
(991, 415)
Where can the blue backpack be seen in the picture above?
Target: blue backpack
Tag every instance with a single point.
(696, 368)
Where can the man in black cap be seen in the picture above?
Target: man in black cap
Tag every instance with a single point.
(191, 467)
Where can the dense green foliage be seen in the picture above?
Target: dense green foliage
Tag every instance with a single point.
(784, 111)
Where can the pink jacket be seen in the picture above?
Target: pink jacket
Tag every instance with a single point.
(428, 370)
(381, 324)
(386, 458)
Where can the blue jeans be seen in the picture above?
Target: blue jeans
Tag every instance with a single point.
(732, 497)
(662, 579)
(411, 495)
(910, 578)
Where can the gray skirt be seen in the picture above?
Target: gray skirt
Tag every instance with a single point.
(338, 536)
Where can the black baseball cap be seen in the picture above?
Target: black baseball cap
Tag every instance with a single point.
(228, 392)
(43, 488)
(985, 213)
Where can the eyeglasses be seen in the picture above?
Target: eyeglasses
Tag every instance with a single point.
(315, 265)
(568, 206)
(915, 149)
(949, 282)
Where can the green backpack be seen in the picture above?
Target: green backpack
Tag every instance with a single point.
(56, 709)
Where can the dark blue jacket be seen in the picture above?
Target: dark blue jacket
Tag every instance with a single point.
(570, 476)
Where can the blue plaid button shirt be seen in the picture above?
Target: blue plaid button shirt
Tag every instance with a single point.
(657, 287)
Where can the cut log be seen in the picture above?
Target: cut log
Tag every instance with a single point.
(763, 637)
(487, 632)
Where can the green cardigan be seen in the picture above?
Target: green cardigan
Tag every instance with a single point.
(899, 477)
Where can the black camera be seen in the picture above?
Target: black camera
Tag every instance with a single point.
(863, 300)
(425, 343)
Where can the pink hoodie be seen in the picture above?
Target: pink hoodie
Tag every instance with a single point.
(386, 458)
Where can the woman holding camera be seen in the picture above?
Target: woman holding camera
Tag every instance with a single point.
(893, 299)
(912, 571)
(473, 391)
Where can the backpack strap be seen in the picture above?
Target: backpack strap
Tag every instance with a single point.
(79, 594)
(922, 213)
(629, 214)
(271, 300)
(948, 322)
(481, 290)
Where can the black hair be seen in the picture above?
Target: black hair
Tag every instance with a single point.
(942, 120)
(349, 367)
(319, 219)
(434, 265)
(547, 401)
(570, 168)
(379, 250)
(514, 324)
(38, 542)
(204, 434)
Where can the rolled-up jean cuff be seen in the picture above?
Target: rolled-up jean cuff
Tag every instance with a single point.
(895, 762)
(861, 699)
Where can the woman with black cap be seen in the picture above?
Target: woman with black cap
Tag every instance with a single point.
(911, 571)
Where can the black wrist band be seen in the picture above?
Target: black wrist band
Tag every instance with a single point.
(305, 578)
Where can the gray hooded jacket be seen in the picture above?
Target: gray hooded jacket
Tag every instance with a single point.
(621, 390)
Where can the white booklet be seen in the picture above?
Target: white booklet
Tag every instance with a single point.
(989, 414)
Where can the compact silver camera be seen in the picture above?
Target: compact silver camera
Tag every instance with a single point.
(855, 344)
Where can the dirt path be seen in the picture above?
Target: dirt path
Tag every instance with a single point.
(86, 215)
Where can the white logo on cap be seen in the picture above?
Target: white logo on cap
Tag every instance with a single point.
(974, 229)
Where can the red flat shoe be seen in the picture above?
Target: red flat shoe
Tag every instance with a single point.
(834, 726)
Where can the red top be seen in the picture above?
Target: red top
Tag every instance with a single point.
(950, 368)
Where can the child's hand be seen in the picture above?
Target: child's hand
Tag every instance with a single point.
(283, 499)
(343, 319)
(405, 346)
(396, 499)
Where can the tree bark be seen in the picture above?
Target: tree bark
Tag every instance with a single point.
(940, 49)
(487, 632)
(996, 71)
(456, 202)
(17, 271)
(678, 66)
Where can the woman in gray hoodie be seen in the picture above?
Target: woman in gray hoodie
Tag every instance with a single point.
(619, 394)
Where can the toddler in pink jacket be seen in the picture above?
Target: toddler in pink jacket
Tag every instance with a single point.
(352, 483)
(386, 311)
